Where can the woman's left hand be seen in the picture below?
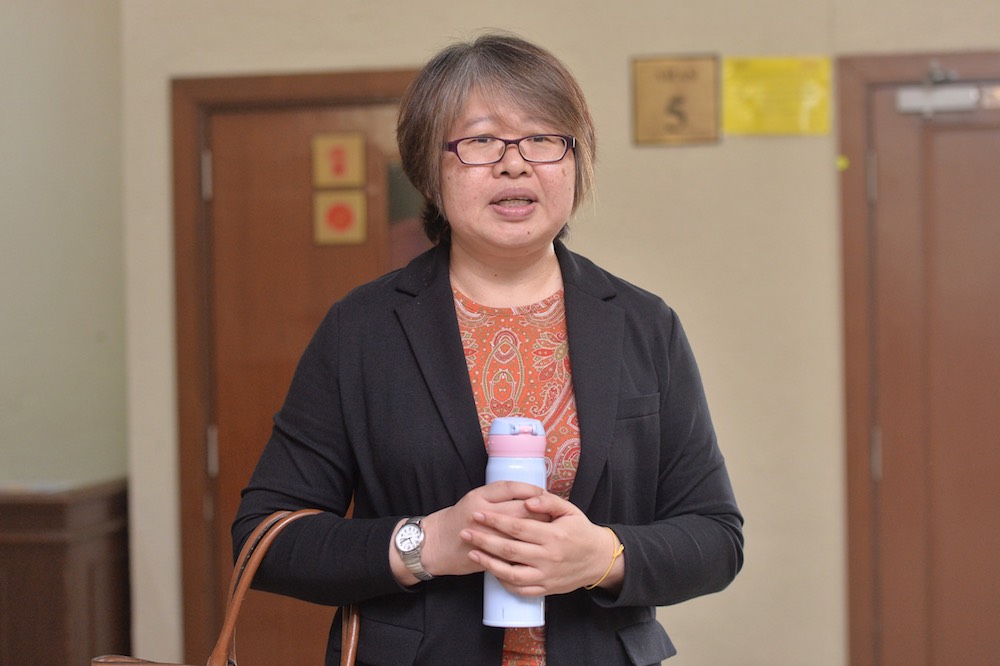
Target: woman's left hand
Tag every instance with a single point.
(533, 558)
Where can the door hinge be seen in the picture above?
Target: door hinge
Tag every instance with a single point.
(875, 451)
(212, 451)
(206, 175)
(871, 176)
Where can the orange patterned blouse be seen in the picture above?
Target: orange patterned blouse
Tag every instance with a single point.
(518, 360)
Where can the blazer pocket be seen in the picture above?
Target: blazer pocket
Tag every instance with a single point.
(640, 405)
(646, 643)
(383, 644)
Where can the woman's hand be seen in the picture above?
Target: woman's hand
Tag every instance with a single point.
(444, 552)
(532, 557)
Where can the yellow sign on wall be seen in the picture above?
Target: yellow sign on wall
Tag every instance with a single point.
(340, 217)
(339, 160)
(776, 95)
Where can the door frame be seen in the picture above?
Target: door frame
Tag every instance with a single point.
(857, 78)
(193, 101)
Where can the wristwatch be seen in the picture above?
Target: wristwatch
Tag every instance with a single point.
(409, 539)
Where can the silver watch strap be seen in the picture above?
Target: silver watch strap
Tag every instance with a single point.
(412, 558)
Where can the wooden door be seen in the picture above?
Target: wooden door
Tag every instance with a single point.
(256, 274)
(922, 280)
(271, 283)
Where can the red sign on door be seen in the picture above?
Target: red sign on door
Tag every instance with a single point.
(338, 160)
(340, 217)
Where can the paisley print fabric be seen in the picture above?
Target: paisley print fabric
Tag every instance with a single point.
(518, 361)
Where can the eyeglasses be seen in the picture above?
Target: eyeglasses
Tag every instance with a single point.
(542, 148)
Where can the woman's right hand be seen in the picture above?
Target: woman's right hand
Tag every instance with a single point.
(444, 552)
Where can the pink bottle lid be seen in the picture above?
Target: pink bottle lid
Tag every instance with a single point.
(514, 437)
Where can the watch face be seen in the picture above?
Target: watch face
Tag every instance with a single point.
(408, 538)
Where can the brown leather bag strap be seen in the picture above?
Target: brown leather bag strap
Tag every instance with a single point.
(251, 555)
(253, 552)
(349, 639)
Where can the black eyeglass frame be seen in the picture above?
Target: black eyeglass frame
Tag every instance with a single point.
(452, 147)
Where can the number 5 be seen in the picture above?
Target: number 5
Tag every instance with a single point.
(676, 115)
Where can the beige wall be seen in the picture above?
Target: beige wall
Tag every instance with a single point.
(62, 356)
(741, 237)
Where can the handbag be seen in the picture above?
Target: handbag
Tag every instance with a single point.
(249, 560)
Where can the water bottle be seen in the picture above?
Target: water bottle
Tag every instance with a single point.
(516, 449)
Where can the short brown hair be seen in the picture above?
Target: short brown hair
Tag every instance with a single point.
(504, 68)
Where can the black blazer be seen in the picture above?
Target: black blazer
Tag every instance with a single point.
(380, 409)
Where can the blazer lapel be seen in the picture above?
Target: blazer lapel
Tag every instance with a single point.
(430, 325)
(596, 331)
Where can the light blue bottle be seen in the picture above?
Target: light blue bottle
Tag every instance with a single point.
(516, 449)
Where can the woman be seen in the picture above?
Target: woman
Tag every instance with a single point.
(392, 399)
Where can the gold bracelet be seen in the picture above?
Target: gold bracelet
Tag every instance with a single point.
(615, 554)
